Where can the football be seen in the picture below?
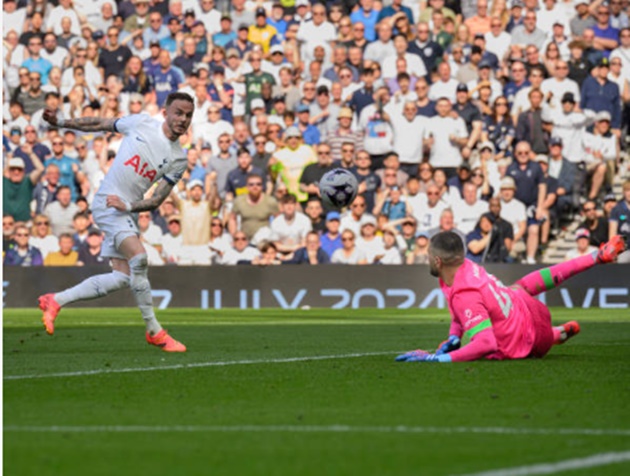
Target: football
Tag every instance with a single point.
(338, 188)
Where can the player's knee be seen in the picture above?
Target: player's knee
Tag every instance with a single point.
(139, 264)
(121, 279)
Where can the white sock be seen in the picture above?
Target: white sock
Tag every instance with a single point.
(141, 289)
(94, 287)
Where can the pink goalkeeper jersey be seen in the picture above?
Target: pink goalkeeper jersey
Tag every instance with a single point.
(479, 301)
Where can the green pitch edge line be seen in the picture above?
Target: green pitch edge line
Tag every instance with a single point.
(315, 429)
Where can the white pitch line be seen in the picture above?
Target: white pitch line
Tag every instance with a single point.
(601, 459)
(402, 429)
(196, 365)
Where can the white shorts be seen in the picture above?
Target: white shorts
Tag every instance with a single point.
(116, 226)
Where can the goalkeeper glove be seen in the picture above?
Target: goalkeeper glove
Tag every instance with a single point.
(450, 344)
(422, 356)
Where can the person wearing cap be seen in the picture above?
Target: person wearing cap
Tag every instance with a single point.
(595, 224)
(601, 94)
(343, 133)
(528, 33)
(331, 238)
(290, 161)
(600, 153)
(140, 17)
(17, 187)
(261, 33)
(582, 245)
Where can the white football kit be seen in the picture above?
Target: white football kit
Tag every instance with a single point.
(145, 156)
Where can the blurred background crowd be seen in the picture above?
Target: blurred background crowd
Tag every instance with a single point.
(504, 121)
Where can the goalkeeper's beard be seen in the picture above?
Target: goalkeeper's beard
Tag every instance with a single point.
(433, 269)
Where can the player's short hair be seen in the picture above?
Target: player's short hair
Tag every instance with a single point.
(448, 246)
(178, 96)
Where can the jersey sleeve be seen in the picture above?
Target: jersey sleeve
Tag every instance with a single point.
(473, 317)
(125, 125)
(175, 175)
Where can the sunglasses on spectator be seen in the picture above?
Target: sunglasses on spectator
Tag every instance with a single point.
(57, 143)
(358, 205)
(348, 238)
(254, 184)
(323, 152)
(240, 238)
(40, 223)
(217, 224)
(21, 234)
(260, 142)
(589, 209)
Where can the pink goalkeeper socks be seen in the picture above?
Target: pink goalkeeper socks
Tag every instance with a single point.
(548, 278)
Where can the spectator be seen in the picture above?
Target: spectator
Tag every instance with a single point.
(583, 246)
(410, 137)
(311, 253)
(595, 224)
(478, 241)
(150, 233)
(426, 106)
(348, 253)
(556, 87)
(415, 65)
(331, 238)
(568, 125)
(66, 256)
(254, 209)
(42, 238)
(445, 86)
(172, 243)
(310, 133)
(447, 223)
(195, 213)
(81, 224)
(241, 251)
(369, 182)
(313, 173)
(446, 136)
(17, 188)
(236, 183)
(35, 63)
(220, 240)
(34, 99)
(600, 154)
(606, 36)
(220, 165)
(90, 250)
(369, 243)
(528, 33)
(518, 81)
(420, 252)
(315, 212)
(383, 47)
(529, 127)
(165, 79)
(531, 190)
(69, 168)
(289, 229)
(582, 19)
(468, 210)
(619, 221)
(291, 160)
(268, 256)
(520, 102)
(567, 175)
(600, 94)
(8, 229)
(392, 253)
(23, 253)
(503, 232)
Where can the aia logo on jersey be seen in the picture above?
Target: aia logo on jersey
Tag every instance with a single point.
(141, 169)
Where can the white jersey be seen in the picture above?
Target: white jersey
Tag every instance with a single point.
(145, 156)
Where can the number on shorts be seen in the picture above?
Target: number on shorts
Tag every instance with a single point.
(503, 298)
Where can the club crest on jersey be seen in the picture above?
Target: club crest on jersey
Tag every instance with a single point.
(141, 168)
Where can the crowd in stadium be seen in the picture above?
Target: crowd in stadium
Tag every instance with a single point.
(500, 120)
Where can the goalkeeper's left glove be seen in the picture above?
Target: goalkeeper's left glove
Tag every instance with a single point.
(423, 356)
(452, 343)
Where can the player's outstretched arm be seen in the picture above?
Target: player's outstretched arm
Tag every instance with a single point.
(85, 124)
(162, 191)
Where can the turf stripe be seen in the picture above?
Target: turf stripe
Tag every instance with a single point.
(601, 459)
(195, 365)
(314, 429)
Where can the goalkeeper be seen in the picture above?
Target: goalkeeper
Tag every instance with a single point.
(501, 322)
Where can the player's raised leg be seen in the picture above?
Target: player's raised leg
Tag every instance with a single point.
(91, 288)
(131, 247)
(548, 278)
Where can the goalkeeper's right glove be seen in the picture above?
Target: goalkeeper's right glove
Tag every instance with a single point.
(450, 344)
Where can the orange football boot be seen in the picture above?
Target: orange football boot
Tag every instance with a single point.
(50, 307)
(165, 342)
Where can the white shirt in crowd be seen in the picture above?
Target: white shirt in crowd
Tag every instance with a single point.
(427, 217)
(409, 137)
(498, 45)
(574, 253)
(558, 89)
(571, 128)
(443, 152)
(290, 232)
(47, 244)
(466, 216)
(444, 89)
(514, 212)
(349, 223)
(338, 257)
(415, 66)
(371, 248)
(592, 143)
(233, 256)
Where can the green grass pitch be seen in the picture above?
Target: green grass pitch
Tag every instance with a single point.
(270, 393)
